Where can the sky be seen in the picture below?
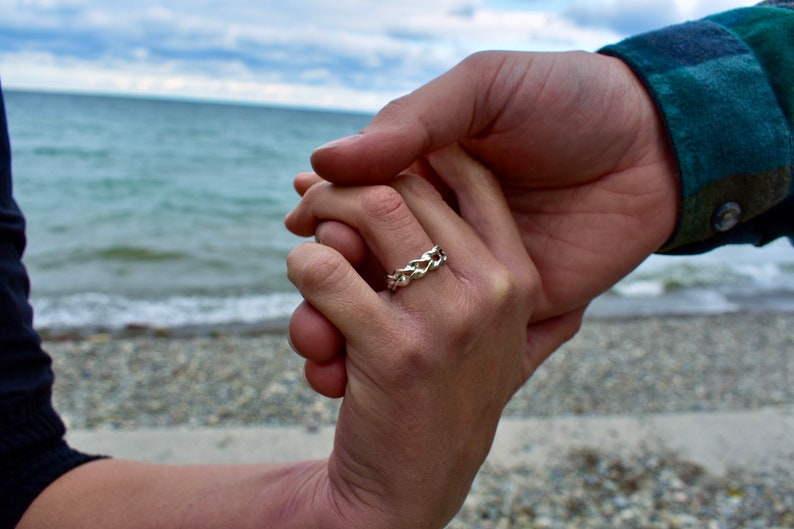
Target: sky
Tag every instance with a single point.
(340, 54)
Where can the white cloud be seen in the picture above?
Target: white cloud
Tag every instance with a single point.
(630, 17)
(692, 9)
(304, 52)
(37, 71)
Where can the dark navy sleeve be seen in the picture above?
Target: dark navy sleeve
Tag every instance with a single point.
(33, 452)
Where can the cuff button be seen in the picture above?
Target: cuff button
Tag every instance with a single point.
(727, 216)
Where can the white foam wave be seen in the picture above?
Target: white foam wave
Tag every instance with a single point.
(88, 310)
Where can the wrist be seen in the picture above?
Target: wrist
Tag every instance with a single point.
(728, 144)
(652, 150)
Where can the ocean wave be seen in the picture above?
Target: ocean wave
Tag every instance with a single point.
(696, 286)
(72, 151)
(133, 253)
(112, 312)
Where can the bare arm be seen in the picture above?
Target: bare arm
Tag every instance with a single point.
(124, 494)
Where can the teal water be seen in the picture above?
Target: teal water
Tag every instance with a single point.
(167, 213)
(137, 204)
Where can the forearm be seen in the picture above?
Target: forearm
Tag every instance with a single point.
(122, 494)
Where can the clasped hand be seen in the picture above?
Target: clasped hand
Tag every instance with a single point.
(557, 157)
(426, 369)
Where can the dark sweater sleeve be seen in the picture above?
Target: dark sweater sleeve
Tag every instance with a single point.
(724, 86)
(33, 452)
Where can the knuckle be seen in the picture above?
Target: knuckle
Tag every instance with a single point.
(395, 107)
(383, 204)
(510, 291)
(416, 361)
(312, 267)
(479, 61)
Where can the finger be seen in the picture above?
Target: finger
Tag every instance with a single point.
(313, 336)
(343, 239)
(300, 220)
(351, 245)
(303, 181)
(329, 379)
(443, 225)
(388, 227)
(332, 286)
(469, 253)
(481, 202)
(433, 116)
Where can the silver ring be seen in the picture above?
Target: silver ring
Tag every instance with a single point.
(417, 268)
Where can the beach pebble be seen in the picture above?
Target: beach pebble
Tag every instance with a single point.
(664, 365)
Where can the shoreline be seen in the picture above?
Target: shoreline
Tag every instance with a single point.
(84, 315)
(605, 308)
(268, 327)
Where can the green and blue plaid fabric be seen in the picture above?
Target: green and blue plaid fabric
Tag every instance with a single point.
(725, 88)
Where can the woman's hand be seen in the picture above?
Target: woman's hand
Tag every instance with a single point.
(425, 369)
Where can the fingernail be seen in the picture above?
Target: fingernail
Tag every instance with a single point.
(341, 142)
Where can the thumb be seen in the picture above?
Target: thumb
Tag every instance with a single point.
(435, 115)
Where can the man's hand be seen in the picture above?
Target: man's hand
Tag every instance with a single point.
(575, 142)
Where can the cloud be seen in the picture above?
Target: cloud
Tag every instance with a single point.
(630, 17)
(363, 51)
(274, 38)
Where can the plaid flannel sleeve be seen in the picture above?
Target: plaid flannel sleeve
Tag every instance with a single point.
(725, 88)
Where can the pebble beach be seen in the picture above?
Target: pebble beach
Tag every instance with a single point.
(219, 378)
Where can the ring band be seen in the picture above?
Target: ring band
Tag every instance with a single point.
(417, 268)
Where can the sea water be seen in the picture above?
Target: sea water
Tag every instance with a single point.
(162, 213)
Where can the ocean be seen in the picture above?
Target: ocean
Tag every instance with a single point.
(162, 214)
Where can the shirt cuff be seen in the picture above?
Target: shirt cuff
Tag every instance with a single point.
(34, 454)
(729, 134)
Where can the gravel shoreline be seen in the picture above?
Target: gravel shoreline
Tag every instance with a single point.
(714, 363)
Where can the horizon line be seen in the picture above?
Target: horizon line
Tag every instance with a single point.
(183, 98)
